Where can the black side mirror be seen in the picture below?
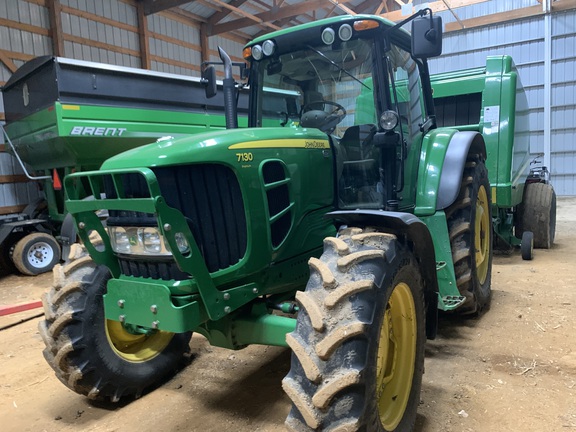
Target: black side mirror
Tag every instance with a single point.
(209, 81)
(427, 36)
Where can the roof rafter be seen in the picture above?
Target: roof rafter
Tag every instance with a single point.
(153, 6)
(219, 16)
(272, 15)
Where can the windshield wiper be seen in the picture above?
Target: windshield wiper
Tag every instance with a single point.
(321, 54)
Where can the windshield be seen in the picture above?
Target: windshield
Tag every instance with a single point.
(335, 79)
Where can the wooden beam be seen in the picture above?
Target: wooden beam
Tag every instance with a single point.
(14, 178)
(143, 37)
(209, 5)
(55, 15)
(495, 18)
(7, 62)
(174, 41)
(100, 19)
(12, 209)
(184, 17)
(38, 2)
(16, 55)
(557, 6)
(173, 62)
(97, 44)
(563, 5)
(245, 14)
(154, 6)
(342, 7)
(204, 45)
(436, 6)
(25, 27)
(219, 16)
(272, 15)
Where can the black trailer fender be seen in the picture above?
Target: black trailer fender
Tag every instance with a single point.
(414, 230)
(461, 144)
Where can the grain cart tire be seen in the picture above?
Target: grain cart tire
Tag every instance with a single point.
(94, 356)
(36, 253)
(470, 231)
(537, 213)
(358, 347)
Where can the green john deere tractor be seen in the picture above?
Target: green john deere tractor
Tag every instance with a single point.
(336, 224)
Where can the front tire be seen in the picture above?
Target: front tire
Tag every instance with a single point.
(96, 357)
(358, 346)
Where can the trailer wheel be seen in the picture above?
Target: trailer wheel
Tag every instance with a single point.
(6, 250)
(537, 213)
(36, 253)
(358, 347)
(96, 357)
(470, 229)
(527, 245)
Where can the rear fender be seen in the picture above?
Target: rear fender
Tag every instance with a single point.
(442, 163)
(411, 228)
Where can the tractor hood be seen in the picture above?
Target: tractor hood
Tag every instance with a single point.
(215, 146)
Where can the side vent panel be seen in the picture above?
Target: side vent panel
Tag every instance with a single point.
(276, 184)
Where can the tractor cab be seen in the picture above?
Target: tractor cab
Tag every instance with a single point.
(356, 80)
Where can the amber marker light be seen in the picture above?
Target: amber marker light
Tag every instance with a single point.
(365, 25)
(247, 52)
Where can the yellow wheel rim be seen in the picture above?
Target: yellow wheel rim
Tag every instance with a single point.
(396, 356)
(482, 230)
(135, 348)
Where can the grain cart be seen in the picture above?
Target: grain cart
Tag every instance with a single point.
(336, 224)
(67, 116)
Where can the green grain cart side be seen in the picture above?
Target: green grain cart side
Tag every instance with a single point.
(336, 224)
(66, 116)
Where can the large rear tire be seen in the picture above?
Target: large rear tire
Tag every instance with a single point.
(470, 229)
(358, 346)
(96, 357)
(537, 213)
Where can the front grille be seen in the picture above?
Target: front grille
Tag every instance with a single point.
(210, 199)
(165, 270)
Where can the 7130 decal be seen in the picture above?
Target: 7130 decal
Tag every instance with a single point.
(245, 157)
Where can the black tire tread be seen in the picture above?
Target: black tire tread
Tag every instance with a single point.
(537, 213)
(70, 341)
(313, 386)
(460, 216)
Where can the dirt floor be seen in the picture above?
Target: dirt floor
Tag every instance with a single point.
(513, 369)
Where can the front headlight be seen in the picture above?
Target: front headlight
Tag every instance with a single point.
(139, 241)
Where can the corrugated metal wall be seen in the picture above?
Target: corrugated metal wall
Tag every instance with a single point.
(118, 31)
(26, 42)
(525, 40)
(107, 31)
(563, 110)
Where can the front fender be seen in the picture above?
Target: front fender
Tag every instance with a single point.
(442, 162)
(410, 226)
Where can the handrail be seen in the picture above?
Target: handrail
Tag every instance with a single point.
(20, 160)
